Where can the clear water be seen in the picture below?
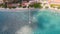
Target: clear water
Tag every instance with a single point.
(11, 22)
(42, 22)
(46, 22)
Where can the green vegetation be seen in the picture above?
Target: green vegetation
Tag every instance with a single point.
(20, 6)
(4, 6)
(1, 5)
(59, 7)
(36, 5)
(46, 7)
(14, 7)
(54, 5)
(32, 5)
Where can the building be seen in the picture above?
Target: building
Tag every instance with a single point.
(7, 1)
(54, 3)
(12, 1)
(1, 1)
(13, 5)
(49, 3)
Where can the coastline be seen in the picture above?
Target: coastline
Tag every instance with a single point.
(17, 9)
(26, 9)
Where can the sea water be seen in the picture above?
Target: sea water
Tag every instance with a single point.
(46, 21)
(11, 21)
(32, 21)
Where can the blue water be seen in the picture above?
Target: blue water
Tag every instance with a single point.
(46, 22)
(42, 22)
(10, 22)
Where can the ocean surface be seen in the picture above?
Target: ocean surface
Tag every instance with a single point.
(32, 21)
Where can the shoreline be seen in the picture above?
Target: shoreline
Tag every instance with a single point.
(25, 9)
(17, 9)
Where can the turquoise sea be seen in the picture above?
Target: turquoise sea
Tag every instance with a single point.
(32, 21)
(46, 21)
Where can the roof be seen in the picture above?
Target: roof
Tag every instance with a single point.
(54, 1)
(57, 1)
(1, 1)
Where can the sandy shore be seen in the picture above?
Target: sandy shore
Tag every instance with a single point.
(26, 9)
(17, 9)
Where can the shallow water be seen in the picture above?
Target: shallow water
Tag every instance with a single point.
(11, 22)
(41, 22)
(46, 22)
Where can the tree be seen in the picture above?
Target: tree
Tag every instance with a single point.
(36, 5)
(59, 7)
